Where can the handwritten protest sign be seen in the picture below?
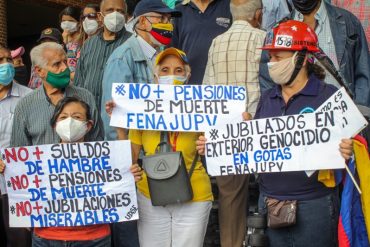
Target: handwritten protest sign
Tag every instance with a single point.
(175, 107)
(289, 143)
(352, 119)
(71, 184)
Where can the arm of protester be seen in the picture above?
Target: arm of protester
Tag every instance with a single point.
(2, 166)
(361, 67)
(346, 148)
(117, 70)
(136, 170)
(200, 145)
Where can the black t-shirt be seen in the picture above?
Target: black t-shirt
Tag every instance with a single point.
(194, 32)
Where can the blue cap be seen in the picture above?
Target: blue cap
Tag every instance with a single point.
(146, 6)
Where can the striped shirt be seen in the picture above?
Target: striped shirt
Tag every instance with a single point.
(7, 107)
(93, 57)
(234, 59)
(33, 113)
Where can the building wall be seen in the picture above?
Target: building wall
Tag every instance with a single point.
(3, 11)
(3, 23)
(79, 3)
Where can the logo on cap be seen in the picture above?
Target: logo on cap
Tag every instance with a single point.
(48, 31)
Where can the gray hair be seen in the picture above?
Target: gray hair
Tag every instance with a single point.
(245, 11)
(37, 53)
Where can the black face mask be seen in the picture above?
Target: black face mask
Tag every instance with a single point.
(305, 6)
(21, 75)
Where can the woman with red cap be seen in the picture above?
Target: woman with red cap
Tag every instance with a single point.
(299, 89)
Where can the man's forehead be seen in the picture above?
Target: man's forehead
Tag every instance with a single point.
(107, 4)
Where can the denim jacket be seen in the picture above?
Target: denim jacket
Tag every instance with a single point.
(352, 53)
(127, 64)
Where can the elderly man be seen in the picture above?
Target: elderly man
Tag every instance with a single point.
(133, 61)
(97, 49)
(233, 59)
(33, 112)
(10, 93)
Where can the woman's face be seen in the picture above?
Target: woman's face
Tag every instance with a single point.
(68, 18)
(73, 110)
(276, 56)
(171, 65)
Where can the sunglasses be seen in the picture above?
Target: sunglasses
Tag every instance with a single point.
(90, 16)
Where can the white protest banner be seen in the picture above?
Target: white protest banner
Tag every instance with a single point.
(176, 107)
(352, 119)
(289, 143)
(70, 184)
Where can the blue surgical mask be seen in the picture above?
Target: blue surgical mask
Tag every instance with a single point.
(7, 73)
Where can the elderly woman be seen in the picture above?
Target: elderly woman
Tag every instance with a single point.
(299, 89)
(180, 224)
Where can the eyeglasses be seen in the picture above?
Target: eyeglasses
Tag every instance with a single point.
(90, 16)
(163, 18)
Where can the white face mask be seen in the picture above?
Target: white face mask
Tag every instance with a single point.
(69, 26)
(172, 80)
(90, 26)
(114, 22)
(71, 130)
(281, 72)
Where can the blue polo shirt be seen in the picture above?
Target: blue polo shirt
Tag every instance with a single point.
(194, 32)
(293, 185)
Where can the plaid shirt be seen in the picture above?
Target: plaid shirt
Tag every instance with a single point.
(234, 58)
(361, 9)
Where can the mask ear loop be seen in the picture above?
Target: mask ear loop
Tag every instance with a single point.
(298, 65)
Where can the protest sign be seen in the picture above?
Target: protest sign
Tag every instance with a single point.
(279, 144)
(352, 119)
(70, 184)
(175, 107)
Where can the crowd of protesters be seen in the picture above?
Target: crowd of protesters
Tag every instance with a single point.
(211, 42)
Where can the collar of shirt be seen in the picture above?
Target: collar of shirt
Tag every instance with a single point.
(311, 88)
(118, 35)
(42, 89)
(320, 15)
(147, 49)
(13, 91)
(241, 23)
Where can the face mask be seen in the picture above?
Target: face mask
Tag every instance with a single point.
(71, 130)
(162, 33)
(69, 26)
(60, 80)
(7, 73)
(21, 74)
(114, 22)
(305, 6)
(172, 80)
(281, 72)
(90, 26)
